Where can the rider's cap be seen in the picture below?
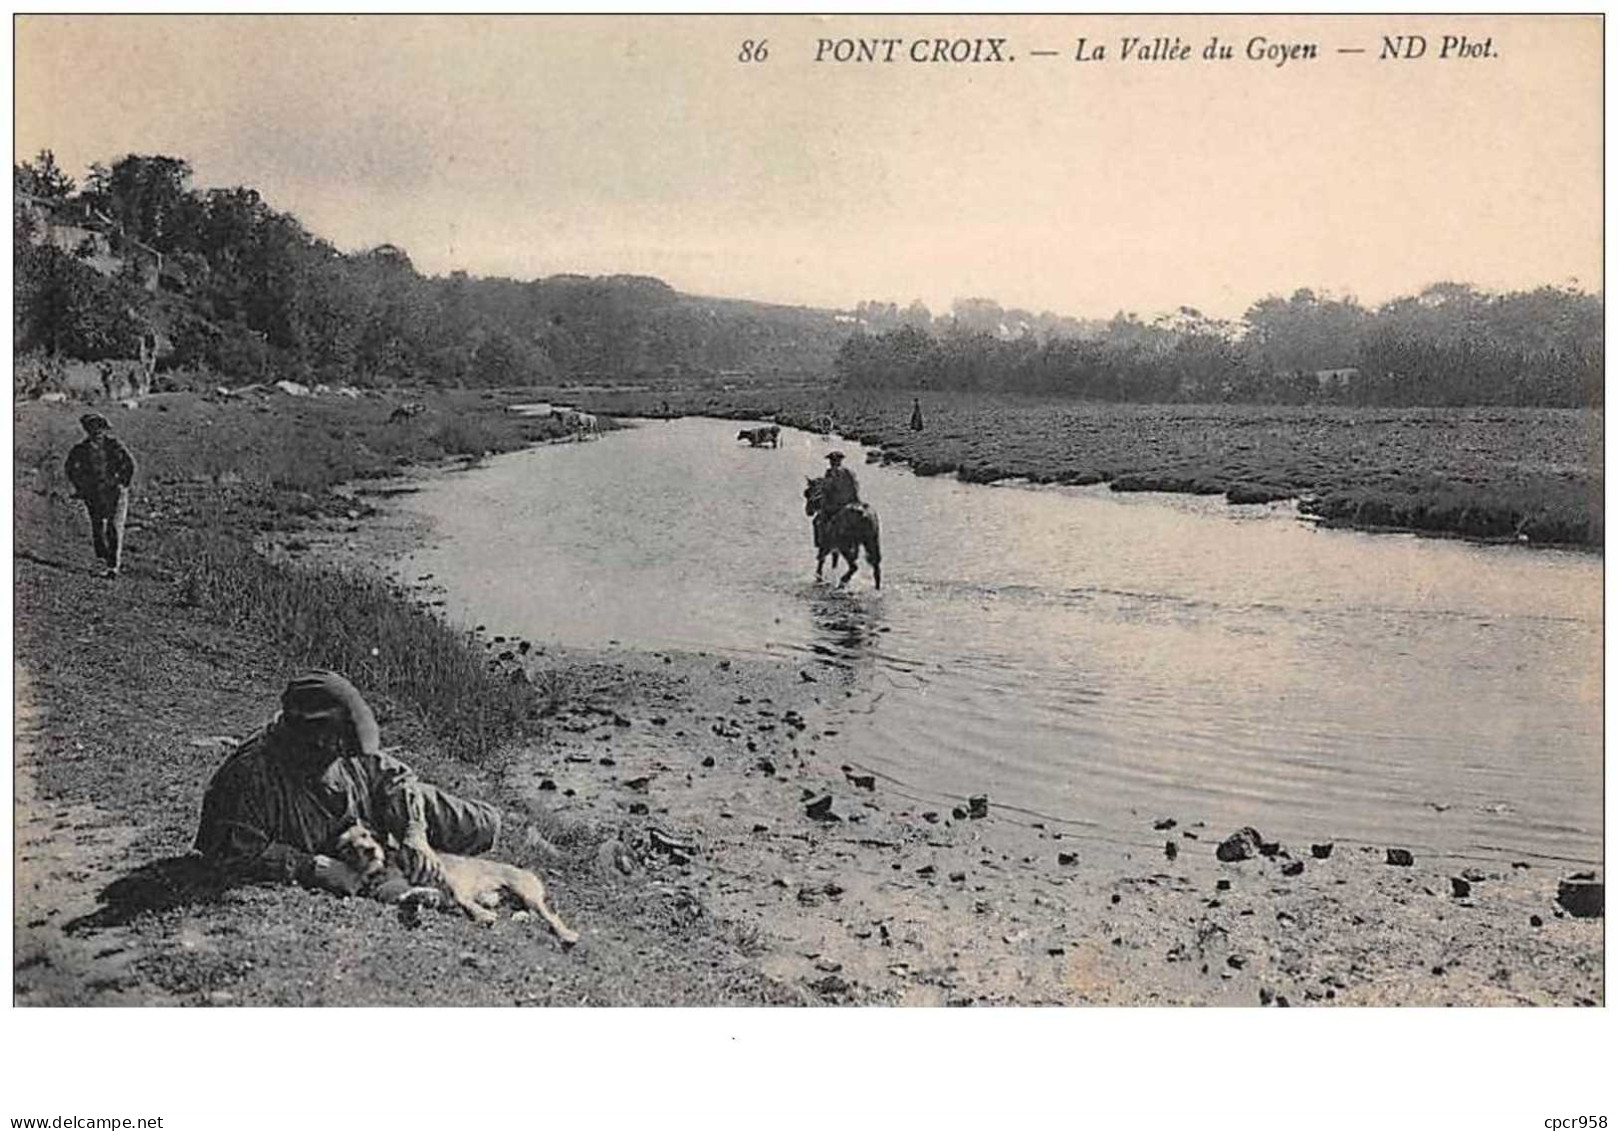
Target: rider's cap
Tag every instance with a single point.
(835, 457)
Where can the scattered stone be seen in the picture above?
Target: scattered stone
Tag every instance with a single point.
(1400, 857)
(766, 767)
(1438, 970)
(1474, 875)
(1235, 962)
(1165, 824)
(1584, 896)
(820, 809)
(707, 762)
(1281, 1001)
(1067, 858)
(637, 784)
(1519, 864)
(806, 677)
(1239, 845)
(1269, 848)
(862, 781)
(958, 813)
(547, 786)
(926, 870)
(1265, 996)
(1459, 888)
(1223, 885)
(663, 842)
(978, 807)
(1116, 898)
(1535, 921)
(638, 809)
(1170, 849)
(930, 817)
(761, 828)
(958, 877)
(1321, 851)
(1295, 868)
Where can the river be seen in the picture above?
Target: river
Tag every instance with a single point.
(1092, 658)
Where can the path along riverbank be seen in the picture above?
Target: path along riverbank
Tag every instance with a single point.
(677, 805)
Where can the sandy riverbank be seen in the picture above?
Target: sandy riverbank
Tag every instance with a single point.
(708, 768)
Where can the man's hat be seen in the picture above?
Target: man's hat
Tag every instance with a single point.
(835, 457)
(323, 696)
(95, 422)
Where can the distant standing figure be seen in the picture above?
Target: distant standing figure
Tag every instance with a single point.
(915, 414)
(101, 470)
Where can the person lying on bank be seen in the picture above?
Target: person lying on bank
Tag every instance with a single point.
(278, 804)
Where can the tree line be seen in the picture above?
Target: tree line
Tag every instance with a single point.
(1452, 344)
(239, 288)
(233, 286)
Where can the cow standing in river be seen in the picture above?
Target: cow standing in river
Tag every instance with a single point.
(759, 437)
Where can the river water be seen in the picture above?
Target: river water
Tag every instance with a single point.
(1093, 658)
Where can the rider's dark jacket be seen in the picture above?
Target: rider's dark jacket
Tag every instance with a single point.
(841, 488)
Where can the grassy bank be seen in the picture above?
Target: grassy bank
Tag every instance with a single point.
(215, 473)
(1522, 474)
(131, 684)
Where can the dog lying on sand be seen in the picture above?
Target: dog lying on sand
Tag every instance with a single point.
(474, 885)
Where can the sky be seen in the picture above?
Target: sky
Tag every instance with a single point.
(530, 146)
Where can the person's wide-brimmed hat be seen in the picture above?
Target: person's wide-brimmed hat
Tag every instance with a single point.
(324, 696)
(835, 457)
(95, 422)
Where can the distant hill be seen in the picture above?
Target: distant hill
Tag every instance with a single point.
(227, 284)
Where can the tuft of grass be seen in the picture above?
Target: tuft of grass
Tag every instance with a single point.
(362, 627)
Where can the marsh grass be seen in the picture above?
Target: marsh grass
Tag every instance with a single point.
(362, 627)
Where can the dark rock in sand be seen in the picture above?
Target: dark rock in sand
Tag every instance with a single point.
(1535, 921)
(1170, 849)
(1293, 869)
(978, 806)
(1235, 962)
(1269, 848)
(1067, 858)
(1239, 845)
(548, 786)
(1320, 851)
(1116, 897)
(1223, 885)
(766, 767)
(638, 809)
(1459, 888)
(638, 784)
(707, 762)
(958, 813)
(930, 817)
(1400, 857)
(820, 809)
(1265, 996)
(1584, 896)
(862, 781)
(1165, 824)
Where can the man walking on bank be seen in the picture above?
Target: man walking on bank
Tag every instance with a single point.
(101, 470)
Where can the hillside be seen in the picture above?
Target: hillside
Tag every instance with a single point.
(218, 282)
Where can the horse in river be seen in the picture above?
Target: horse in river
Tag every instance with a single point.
(843, 532)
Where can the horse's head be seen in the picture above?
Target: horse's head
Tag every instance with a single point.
(813, 492)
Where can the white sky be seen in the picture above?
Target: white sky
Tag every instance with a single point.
(526, 146)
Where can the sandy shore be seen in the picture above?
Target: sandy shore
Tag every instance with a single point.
(709, 771)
